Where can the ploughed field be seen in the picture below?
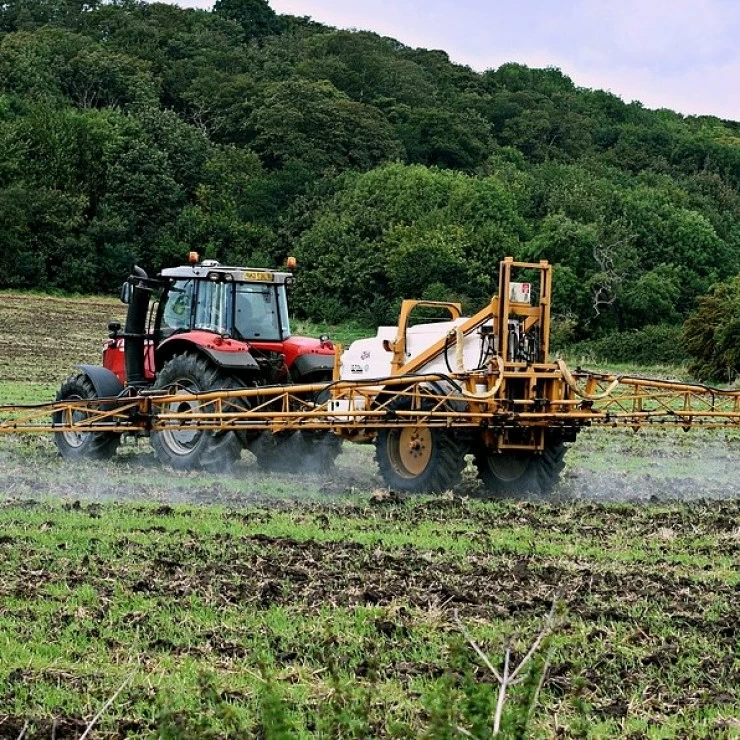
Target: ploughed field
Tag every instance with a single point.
(42, 338)
(192, 605)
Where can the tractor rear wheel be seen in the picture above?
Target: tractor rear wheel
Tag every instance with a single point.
(419, 459)
(74, 445)
(516, 472)
(194, 449)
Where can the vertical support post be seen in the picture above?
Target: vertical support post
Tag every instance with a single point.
(337, 372)
(504, 299)
(545, 304)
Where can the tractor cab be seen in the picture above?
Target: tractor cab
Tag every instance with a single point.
(246, 305)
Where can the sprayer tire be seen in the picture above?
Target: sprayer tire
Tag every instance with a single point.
(419, 459)
(84, 445)
(197, 450)
(296, 452)
(516, 473)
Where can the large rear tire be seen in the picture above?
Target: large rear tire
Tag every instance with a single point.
(419, 459)
(73, 445)
(194, 449)
(515, 472)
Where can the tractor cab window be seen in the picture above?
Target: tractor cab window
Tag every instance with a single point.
(283, 306)
(213, 307)
(177, 310)
(259, 313)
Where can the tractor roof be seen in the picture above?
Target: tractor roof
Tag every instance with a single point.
(204, 270)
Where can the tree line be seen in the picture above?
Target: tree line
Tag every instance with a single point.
(136, 132)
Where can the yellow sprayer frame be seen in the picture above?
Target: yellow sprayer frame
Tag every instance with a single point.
(500, 399)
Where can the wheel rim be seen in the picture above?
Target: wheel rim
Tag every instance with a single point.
(507, 467)
(410, 450)
(182, 441)
(72, 438)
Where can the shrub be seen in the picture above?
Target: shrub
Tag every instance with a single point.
(652, 345)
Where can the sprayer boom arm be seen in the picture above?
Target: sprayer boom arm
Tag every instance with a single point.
(357, 409)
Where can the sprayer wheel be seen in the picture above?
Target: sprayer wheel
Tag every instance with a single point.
(186, 449)
(74, 445)
(515, 473)
(419, 459)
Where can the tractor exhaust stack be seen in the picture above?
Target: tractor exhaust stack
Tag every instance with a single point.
(135, 331)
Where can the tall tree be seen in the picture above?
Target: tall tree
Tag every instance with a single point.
(256, 17)
(314, 123)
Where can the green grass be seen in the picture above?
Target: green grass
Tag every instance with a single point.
(218, 612)
(345, 334)
(26, 393)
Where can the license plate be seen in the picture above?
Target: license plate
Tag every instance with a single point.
(261, 276)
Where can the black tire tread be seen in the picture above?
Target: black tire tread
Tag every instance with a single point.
(311, 452)
(218, 451)
(98, 445)
(540, 477)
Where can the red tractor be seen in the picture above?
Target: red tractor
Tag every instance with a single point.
(198, 328)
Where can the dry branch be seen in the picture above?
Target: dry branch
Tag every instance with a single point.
(508, 677)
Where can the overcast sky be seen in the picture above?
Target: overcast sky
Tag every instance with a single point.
(678, 54)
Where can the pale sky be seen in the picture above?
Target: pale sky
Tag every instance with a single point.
(678, 54)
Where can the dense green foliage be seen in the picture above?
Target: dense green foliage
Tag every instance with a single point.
(713, 333)
(136, 132)
(661, 344)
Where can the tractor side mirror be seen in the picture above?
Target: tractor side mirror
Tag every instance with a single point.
(126, 292)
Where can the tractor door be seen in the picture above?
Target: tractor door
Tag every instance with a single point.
(261, 312)
(175, 313)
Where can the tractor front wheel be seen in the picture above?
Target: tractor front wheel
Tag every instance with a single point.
(193, 449)
(515, 472)
(419, 459)
(77, 445)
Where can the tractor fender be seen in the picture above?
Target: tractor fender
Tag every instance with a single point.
(312, 364)
(106, 383)
(230, 360)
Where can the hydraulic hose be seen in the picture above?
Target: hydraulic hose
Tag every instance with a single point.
(460, 363)
(570, 380)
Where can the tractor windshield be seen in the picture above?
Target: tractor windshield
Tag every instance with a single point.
(196, 304)
(213, 307)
